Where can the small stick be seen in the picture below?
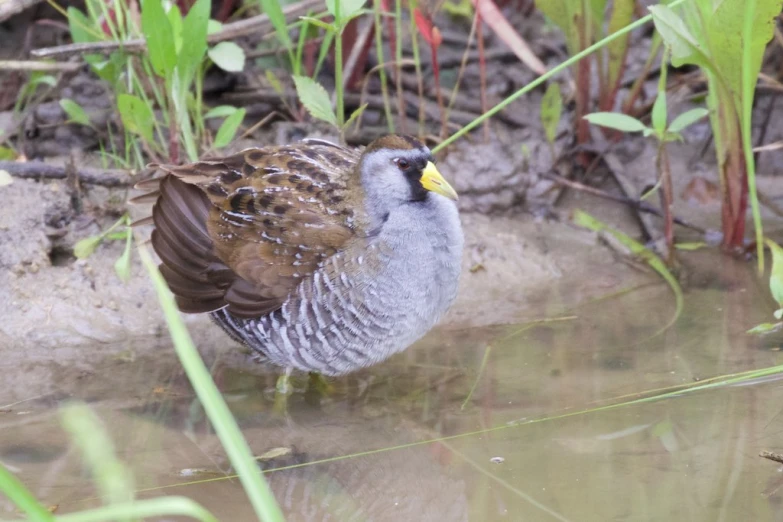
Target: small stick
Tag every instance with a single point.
(771, 455)
(40, 170)
(35, 65)
(640, 206)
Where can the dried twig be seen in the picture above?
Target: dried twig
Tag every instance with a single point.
(34, 65)
(255, 25)
(771, 455)
(640, 206)
(89, 176)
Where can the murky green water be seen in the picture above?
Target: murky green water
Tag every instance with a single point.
(403, 441)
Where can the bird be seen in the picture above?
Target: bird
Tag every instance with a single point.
(319, 257)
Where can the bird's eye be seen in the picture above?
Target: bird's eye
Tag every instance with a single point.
(403, 164)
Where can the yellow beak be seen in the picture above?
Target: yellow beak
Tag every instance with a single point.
(434, 182)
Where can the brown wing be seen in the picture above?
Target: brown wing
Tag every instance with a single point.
(243, 231)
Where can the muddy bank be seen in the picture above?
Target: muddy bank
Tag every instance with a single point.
(55, 306)
(523, 260)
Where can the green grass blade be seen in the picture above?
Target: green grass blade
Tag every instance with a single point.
(156, 507)
(17, 493)
(748, 88)
(544, 77)
(225, 425)
(112, 478)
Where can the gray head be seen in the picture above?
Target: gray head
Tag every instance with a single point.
(397, 170)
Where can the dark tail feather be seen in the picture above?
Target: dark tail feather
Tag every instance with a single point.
(182, 242)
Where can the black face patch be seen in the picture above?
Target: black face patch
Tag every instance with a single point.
(413, 175)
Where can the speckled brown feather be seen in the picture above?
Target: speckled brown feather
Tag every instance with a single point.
(242, 231)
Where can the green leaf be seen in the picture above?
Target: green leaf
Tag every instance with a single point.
(175, 19)
(194, 33)
(659, 113)
(551, 111)
(79, 26)
(7, 154)
(765, 328)
(776, 275)
(85, 247)
(315, 99)
(221, 111)
(46, 79)
(229, 128)
(274, 10)
(695, 245)
(213, 26)
(687, 118)
(319, 23)
(355, 115)
(159, 36)
(228, 56)
(616, 120)
(5, 178)
(684, 47)
(274, 81)
(137, 117)
(348, 8)
(75, 112)
(123, 264)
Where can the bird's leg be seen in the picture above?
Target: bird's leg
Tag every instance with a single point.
(283, 385)
(283, 389)
(319, 384)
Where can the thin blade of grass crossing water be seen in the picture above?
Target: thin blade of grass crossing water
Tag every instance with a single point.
(17, 493)
(225, 425)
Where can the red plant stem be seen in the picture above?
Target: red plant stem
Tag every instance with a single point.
(582, 94)
(482, 68)
(173, 136)
(734, 179)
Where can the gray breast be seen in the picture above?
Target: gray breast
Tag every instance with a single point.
(369, 302)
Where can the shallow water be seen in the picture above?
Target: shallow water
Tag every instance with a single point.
(407, 440)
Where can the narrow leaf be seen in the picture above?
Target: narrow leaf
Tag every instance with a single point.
(194, 37)
(551, 111)
(765, 328)
(615, 120)
(274, 81)
(228, 56)
(776, 275)
(85, 247)
(75, 112)
(348, 8)
(123, 264)
(687, 118)
(684, 47)
(159, 36)
(274, 10)
(355, 115)
(315, 99)
(494, 18)
(221, 111)
(229, 128)
(659, 113)
(137, 117)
